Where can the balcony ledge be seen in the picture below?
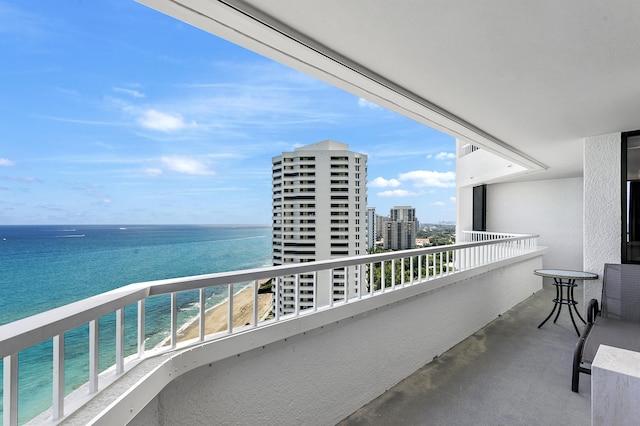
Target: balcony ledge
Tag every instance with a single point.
(155, 381)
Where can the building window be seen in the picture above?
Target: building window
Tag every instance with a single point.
(630, 180)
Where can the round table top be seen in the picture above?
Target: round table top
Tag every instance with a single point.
(565, 273)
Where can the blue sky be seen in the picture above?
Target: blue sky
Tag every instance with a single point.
(113, 113)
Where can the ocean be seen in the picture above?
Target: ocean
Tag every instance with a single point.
(43, 267)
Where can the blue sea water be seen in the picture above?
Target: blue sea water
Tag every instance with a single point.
(43, 267)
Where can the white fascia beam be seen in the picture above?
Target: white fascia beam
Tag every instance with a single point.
(242, 24)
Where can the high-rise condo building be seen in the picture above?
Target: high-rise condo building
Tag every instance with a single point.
(371, 227)
(400, 230)
(319, 212)
(379, 226)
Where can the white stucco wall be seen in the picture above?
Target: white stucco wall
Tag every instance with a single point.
(602, 205)
(321, 376)
(549, 208)
(464, 210)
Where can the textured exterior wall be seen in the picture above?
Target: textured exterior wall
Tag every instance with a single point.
(464, 210)
(550, 208)
(602, 204)
(321, 376)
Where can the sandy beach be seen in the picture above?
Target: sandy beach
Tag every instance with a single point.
(216, 318)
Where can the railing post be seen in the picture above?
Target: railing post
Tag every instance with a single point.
(360, 278)
(255, 303)
(393, 274)
(58, 377)
(467, 257)
(94, 326)
(346, 284)
(372, 281)
(296, 301)
(448, 262)
(410, 271)
(203, 311)
(315, 291)
(174, 320)
(120, 341)
(382, 280)
(276, 298)
(331, 283)
(10, 391)
(141, 333)
(230, 310)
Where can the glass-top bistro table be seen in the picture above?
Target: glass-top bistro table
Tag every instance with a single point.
(565, 281)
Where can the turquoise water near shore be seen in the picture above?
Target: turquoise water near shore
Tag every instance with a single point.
(43, 267)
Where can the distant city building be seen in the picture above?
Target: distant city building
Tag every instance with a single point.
(403, 214)
(380, 226)
(400, 230)
(371, 227)
(319, 212)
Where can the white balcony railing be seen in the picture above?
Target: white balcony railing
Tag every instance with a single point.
(376, 272)
(474, 236)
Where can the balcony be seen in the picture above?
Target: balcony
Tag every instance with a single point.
(509, 372)
(291, 367)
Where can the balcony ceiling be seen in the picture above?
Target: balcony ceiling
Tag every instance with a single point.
(525, 79)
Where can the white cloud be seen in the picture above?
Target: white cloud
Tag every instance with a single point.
(366, 104)
(381, 182)
(66, 91)
(422, 178)
(438, 204)
(153, 171)
(6, 163)
(129, 92)
(104, 145)
(186, 165)
(396, 193)
(21, 179)
(446, 156)
(452, 199)
(443, 156)
(156, 120)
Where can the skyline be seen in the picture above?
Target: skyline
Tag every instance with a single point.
(114, 113)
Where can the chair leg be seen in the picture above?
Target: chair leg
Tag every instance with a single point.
(577, 358)
(575, 376)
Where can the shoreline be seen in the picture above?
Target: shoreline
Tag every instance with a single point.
(216, 318)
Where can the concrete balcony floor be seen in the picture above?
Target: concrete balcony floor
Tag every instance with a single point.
(508, 373)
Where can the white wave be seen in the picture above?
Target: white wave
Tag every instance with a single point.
(240, 239)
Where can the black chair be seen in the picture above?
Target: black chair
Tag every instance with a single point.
(616, 322)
